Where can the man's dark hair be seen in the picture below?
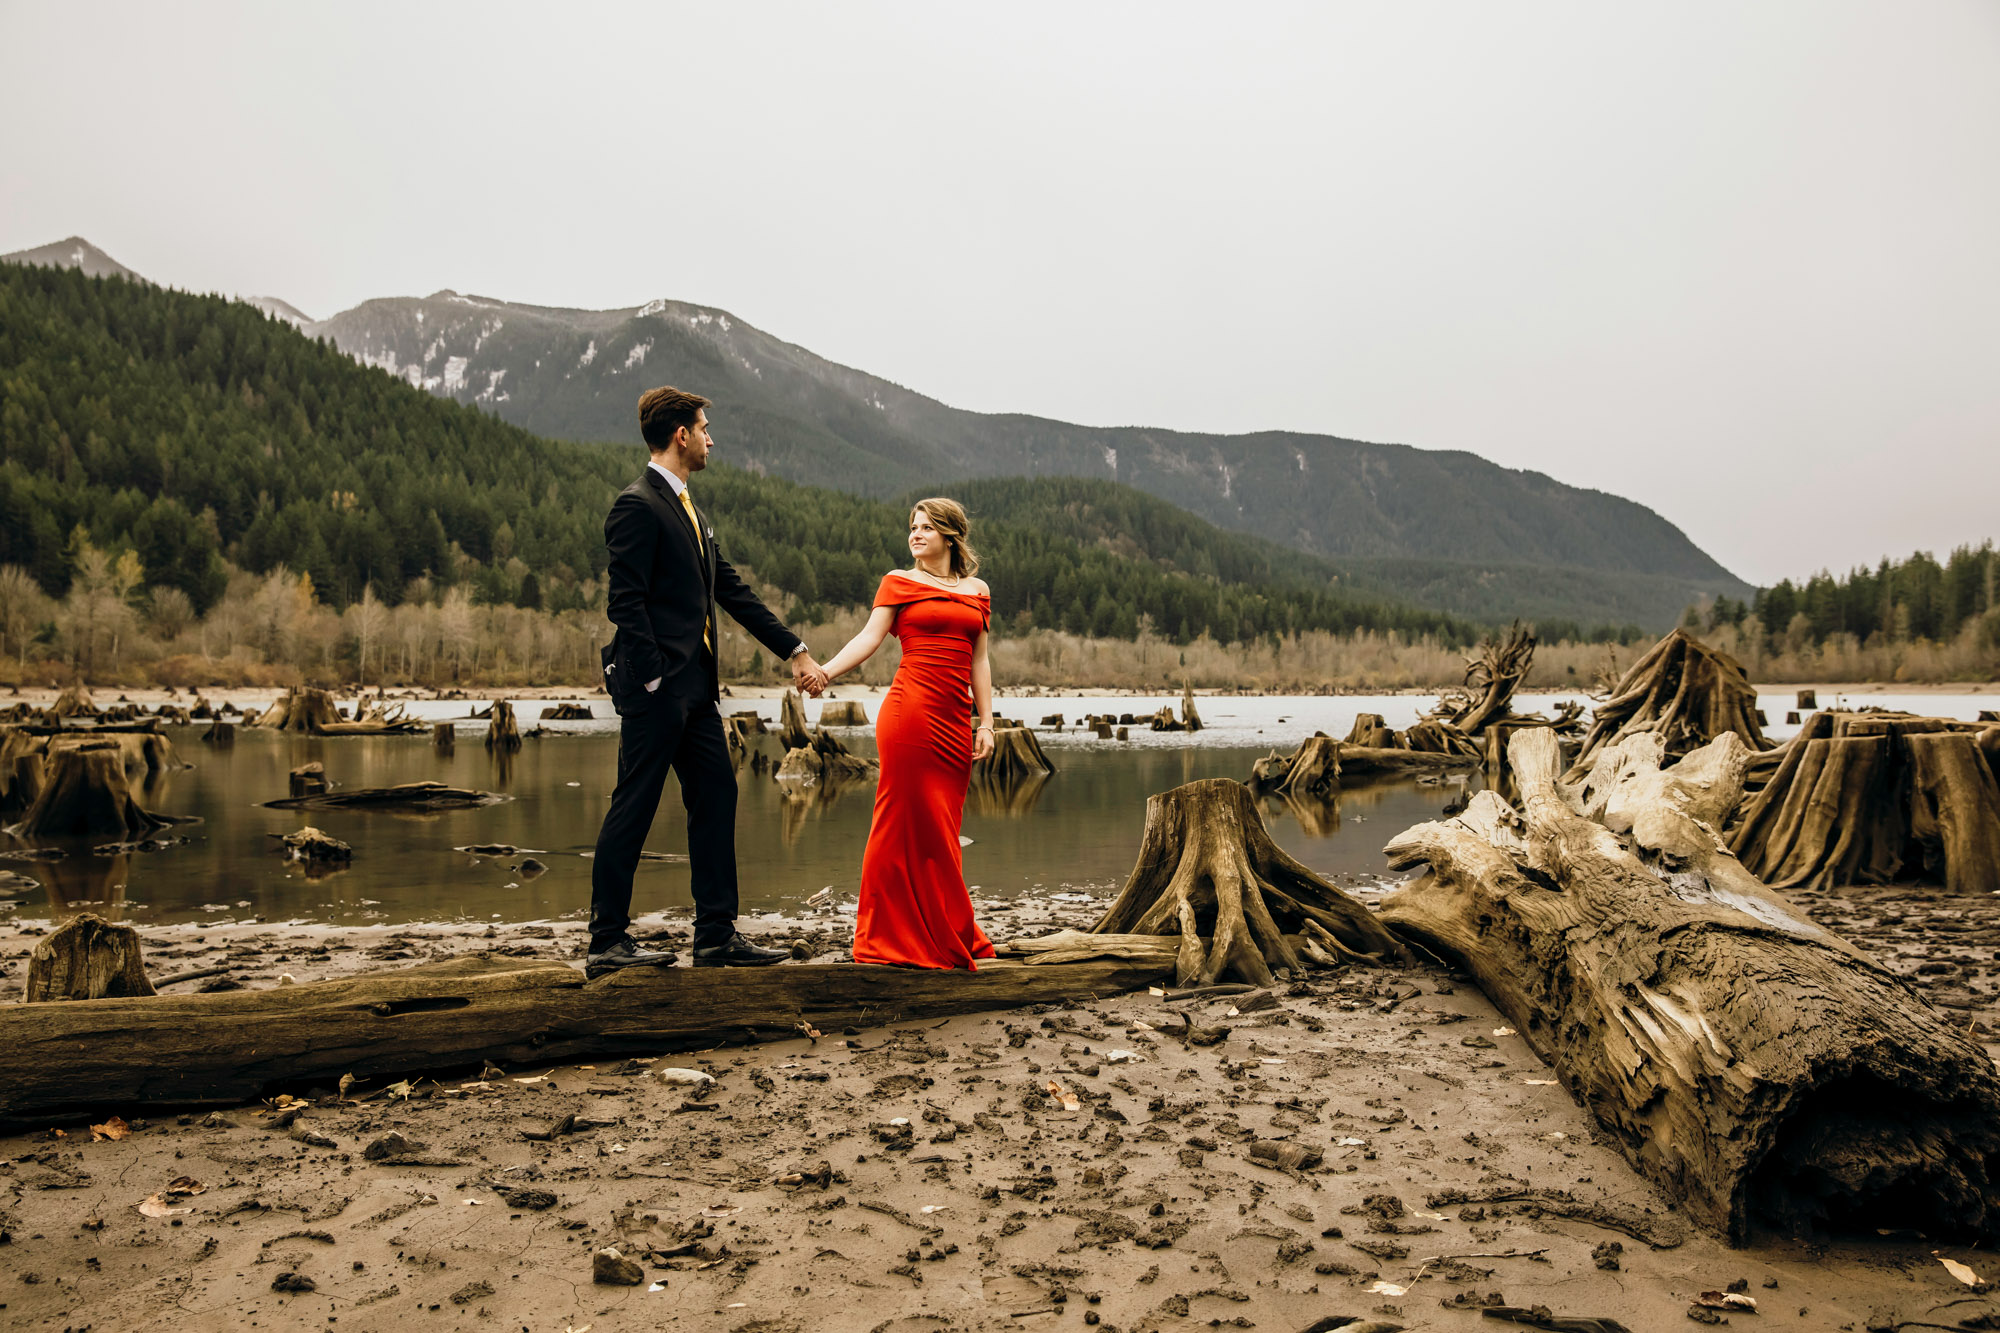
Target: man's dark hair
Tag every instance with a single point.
(663, 411)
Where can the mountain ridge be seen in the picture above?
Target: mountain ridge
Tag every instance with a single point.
(787, 411)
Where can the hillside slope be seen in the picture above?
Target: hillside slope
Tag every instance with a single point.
(782, 409)
(192, 430)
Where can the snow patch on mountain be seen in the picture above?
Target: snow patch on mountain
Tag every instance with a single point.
(637, 356)
(454, 374)
(589, 355)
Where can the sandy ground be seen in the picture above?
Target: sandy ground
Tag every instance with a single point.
(921, 1177)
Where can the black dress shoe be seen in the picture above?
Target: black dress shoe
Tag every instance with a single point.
(739, 952)
(624, 954)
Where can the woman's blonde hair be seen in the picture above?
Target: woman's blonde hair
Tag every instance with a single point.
(948, 517)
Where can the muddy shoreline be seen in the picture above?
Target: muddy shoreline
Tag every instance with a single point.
(922, 1177)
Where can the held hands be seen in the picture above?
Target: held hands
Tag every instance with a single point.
(982, 742)
(808, 676)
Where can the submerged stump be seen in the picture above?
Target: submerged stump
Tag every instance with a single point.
(504, 733)
(1755, 1067)
(843, 713)
(792, 729)
(1209, 871)
(1017, 757)
(85, 793)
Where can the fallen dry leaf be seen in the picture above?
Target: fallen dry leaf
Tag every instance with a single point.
(156, 1206)
(1540, 1082)
(1503, 1032)
(113, 1129)
(1388, 1289)
(1958, 1270)
(184, 1185)
(1727, 1300)
(720, 1210)
(532, 1078)
(1064, 1096)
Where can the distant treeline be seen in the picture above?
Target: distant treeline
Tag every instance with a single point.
(1898, 601)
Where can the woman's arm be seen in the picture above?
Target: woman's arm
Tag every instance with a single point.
(982, 698)
(863, 645)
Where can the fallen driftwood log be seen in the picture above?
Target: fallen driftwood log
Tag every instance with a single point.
(1017, 756)
(1208, 871)
(1683, 691)
(87, 958)
(1356, 759)
(1755, 1067)
(1871, 798)
(406, 796)
(235, 1046)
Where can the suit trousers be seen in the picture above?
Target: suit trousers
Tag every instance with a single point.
(687, 736)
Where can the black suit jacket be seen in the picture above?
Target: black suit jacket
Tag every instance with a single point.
(664, 589)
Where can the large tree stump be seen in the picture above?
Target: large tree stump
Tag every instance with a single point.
(1370, 730)
(1752, 1065)
(824, 759)
(842, 713)
(1684, 691)
(444, 737)
(792, 721)
(74, 701)
(1432, 736)
(85, 793)
(1311, 770)
(567, 712)
(308, 779)
(1872, 797)
(87, 958)
(1017, 756)
(1208, 870)
(504, 733)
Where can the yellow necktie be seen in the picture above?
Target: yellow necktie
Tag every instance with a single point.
(687, 503)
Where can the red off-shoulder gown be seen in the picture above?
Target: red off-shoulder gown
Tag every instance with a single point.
(915, 910)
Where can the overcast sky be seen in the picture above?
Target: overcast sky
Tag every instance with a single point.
(1738, 262)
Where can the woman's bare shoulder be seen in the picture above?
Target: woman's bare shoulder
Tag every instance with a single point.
(977, 587)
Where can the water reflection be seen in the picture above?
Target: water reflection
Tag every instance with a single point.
(1080, 827)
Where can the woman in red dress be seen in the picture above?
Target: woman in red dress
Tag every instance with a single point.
(915, 911)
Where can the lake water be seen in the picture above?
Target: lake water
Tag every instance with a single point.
(1077, 832)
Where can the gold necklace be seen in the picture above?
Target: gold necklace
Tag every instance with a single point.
(940, 579)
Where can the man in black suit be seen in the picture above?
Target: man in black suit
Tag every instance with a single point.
(666, 581)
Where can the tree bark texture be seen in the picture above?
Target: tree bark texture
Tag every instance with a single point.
(234, 1046)
(792, 722)
(87, 958)
(1209, 871)
(1873, 798)
(1752, 1065)
(1682, 690)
